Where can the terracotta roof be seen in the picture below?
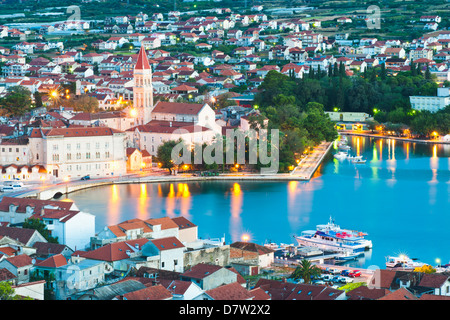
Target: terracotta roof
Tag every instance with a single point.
(201, 270)
(365, 293)
(58, 260)
(433, 280)
(75, 132)
(20, 234)
(47, 248)
(253, 247)
(167, 243)
(19, 261)
(142, 62)
(6, 275)
(8, 250)
(231, 291)
(400, 294)
(178, 108)
(183, 223)
(178, 287)
(259, 294)
(114, 251)
(36, 204)
(165, 222)
(157, 292)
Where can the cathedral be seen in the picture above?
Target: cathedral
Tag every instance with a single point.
(163, 121)
(142, 89)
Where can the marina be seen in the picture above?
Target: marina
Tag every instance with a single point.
(393, 171)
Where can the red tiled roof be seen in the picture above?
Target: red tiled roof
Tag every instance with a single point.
(55, 261)
(36, 204)
(400, 294)
(201, 270)
(19, 261)
(231, 291)
(114, 251)
(178, 108)
(167, 243)
(6, 275)
(142, 62)
(157, 292)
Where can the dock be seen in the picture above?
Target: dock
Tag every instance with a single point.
(309, 164)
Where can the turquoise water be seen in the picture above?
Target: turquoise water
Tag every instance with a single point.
(400, 197)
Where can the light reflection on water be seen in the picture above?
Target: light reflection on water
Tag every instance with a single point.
(400, 197)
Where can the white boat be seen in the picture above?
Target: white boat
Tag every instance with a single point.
(10, 186)
(348, 256)
(343, 146)
(403, 261)
(341, 155)
(358, 161)
(331, 237)
(354, 157)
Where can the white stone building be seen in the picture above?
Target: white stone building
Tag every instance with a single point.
(431, 103)
(72, 153)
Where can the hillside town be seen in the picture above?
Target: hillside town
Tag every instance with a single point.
(104, 109)
(164, 259)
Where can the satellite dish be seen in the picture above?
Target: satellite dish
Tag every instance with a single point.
(33, 261)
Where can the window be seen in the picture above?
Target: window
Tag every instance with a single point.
(69, 156)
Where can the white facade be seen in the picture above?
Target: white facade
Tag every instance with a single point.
(76, 232)
(71, 153)
(431, 103)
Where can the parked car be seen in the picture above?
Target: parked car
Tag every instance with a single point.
(338, 279)
(347, 280)
(86, 177)
(354, 274)
(345, 272)
(327, 277)
(318, 282)
(335, 271)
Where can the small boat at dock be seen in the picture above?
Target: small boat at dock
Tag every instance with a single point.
(358, 161)
(341, 155)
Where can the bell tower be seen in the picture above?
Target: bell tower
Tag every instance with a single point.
(142, 89)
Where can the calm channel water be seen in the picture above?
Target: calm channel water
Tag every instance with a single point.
(400, 197)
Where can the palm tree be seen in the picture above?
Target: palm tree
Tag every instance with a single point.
(306, 271)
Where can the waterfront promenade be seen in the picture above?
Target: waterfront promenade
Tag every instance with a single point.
(303, 172)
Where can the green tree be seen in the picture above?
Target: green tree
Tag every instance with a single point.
(306, 271)
(164, 154)
(38, 100)
(17, 101)
(40, 227)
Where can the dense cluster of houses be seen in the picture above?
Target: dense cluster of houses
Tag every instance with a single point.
(162, 259)
(153, 95)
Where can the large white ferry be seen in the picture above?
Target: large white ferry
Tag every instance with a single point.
(330, 237)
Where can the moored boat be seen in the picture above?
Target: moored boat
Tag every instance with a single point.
(402, 261)
(331, 237)
(358, 161)
(341, 155)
